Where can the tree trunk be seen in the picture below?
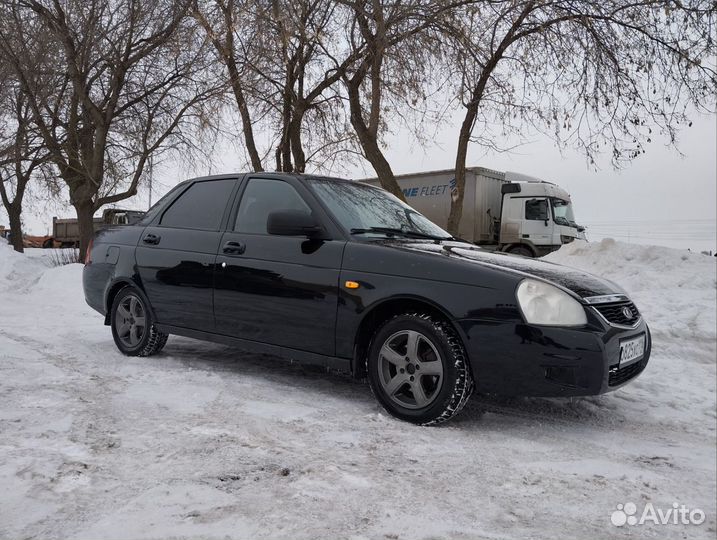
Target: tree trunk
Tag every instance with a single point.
(85, 212)
(297, 149)
(247, 128)
(14, 212)
(278, 158)
(454, 218)
(381, 165)
(285, 143)
(369, 145)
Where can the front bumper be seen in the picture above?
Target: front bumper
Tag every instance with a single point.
(516, 359)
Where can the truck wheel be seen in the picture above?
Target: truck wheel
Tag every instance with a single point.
(47, 244)
(418, 370)
(132, 327)
(521, 250)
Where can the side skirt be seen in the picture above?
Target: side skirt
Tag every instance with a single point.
(302, 357)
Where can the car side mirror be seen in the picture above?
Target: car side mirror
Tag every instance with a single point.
(546, 221)
(293, 223)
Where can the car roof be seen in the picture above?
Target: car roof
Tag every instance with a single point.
(237, 175)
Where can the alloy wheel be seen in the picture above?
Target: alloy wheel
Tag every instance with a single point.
(410, 369)
(130, 321)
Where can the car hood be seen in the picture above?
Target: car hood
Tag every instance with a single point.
(581, 283)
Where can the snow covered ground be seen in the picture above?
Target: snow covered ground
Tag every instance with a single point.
(205, 441)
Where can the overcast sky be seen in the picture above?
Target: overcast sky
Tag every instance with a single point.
(661, 198)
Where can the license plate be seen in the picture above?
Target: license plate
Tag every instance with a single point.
(631, 350)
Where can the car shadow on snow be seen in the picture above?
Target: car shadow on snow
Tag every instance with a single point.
(480, 411)
(223, 360)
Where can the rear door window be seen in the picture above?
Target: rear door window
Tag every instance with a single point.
(201, 206)
(157, 207)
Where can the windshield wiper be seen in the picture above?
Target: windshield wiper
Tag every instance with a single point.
(400, 232)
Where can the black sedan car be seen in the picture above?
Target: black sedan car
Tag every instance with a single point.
(347, 276)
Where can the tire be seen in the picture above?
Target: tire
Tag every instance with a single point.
(132, 326)
(521, 250)
(394, 370)
(47, 244)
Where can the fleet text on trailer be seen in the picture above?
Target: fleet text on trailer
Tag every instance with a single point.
(510, 211)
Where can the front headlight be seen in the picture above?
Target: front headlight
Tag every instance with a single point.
(542, 303)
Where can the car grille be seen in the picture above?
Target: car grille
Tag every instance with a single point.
(617, 375)
(615, 313)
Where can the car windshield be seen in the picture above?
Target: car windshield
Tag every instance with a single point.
(563, 212)
(364, 209)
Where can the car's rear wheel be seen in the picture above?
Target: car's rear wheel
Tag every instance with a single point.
(132, 326)
(418, 369)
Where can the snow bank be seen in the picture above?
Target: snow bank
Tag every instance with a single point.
(16, 268)
(675, 290)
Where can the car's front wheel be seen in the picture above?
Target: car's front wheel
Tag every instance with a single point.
(521, 250)
(418, 369)
(132, 326)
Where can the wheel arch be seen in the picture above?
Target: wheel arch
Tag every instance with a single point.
(113, 290)
(383, 310)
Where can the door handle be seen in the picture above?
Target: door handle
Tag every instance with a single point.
(151, 239)
(236, 248)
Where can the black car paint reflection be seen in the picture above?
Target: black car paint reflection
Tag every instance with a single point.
(269, 283)
(187, 274)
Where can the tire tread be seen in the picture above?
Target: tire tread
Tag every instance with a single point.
(464, 386)
(156, 340)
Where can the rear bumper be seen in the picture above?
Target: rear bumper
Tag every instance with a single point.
(517, 359)
(94, 283)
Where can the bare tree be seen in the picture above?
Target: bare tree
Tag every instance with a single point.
(283, 60)
(593, 74)
(22, 152)
(222, 20)
(300, 70)
(398, 45)
(128, 82)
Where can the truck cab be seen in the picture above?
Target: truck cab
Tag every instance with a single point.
(536, 217)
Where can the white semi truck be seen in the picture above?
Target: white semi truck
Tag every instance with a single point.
(507, 211)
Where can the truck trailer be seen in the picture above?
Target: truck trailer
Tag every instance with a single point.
(506, 211)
